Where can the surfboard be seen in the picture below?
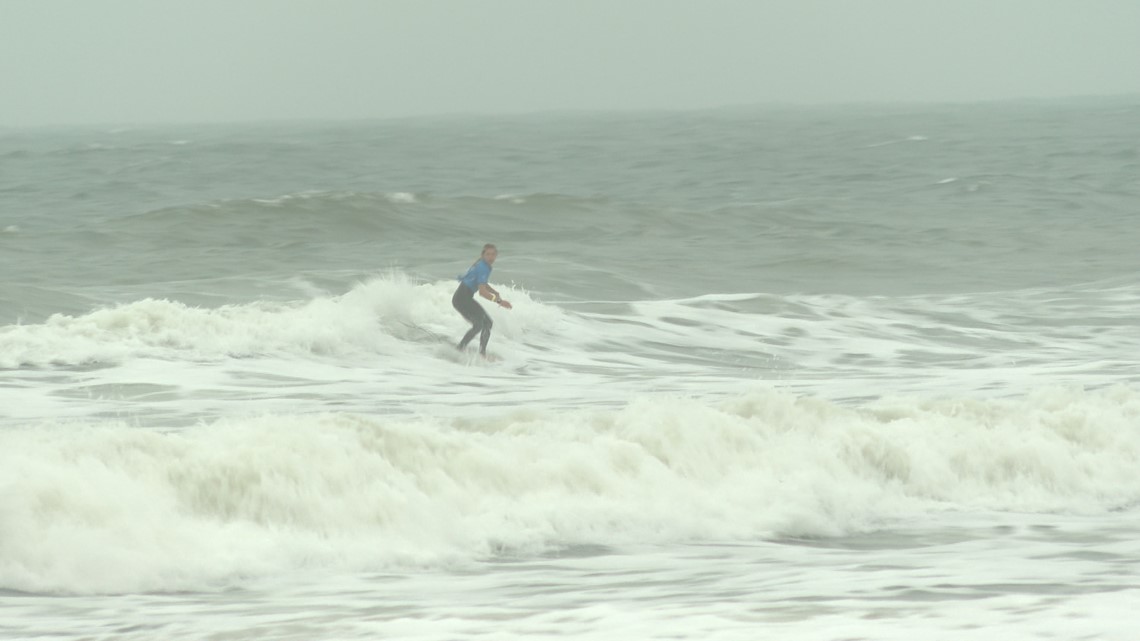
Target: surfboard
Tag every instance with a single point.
(466, 357)
(445, 346)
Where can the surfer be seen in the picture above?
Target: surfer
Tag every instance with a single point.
(475, 280)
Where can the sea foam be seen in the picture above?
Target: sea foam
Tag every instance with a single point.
(372, 317)
(103, 507)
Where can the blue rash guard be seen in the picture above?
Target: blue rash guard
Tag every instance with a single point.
(478, 275)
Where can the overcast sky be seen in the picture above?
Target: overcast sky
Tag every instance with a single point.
(136, 61)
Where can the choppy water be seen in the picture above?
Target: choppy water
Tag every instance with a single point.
(820, 374)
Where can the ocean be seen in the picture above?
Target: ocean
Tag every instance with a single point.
(820, 373)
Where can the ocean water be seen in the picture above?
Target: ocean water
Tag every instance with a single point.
(801, 374)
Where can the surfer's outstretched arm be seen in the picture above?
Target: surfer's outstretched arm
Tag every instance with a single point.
(488, 292)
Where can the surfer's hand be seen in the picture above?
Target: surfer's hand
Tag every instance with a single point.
(504, 303)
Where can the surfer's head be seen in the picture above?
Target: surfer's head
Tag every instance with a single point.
(490, 253)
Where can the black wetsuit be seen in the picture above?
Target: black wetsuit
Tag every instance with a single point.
(464, 302)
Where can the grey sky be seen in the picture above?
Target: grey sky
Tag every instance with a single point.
(133, 61)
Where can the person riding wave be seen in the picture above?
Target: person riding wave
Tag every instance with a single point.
(475, 280)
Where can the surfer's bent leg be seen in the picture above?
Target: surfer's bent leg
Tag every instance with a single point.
(485, 332)
(464, 302)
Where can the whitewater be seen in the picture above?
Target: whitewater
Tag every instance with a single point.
(802, 374)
